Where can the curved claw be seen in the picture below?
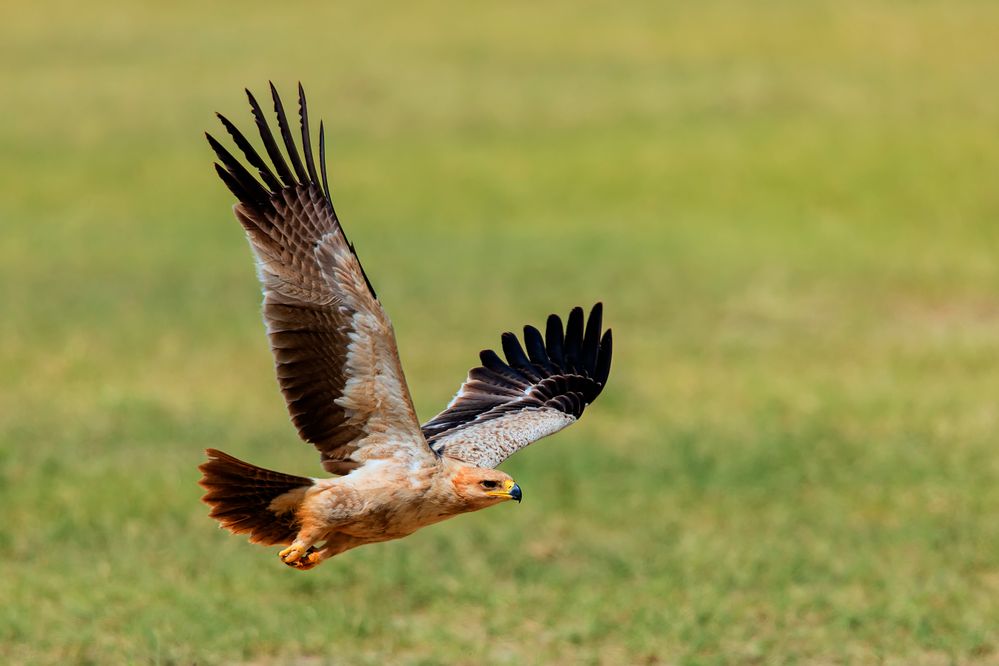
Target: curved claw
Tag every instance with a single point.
(299, 557)
(292, 553)
(311, 559)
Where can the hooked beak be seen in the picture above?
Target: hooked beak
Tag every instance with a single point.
(510, 490)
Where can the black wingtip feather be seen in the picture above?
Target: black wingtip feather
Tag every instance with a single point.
(289, 141)
(489, 358)
(252, 156)
(270, 145)
(514, 353)
(231, 182)
(275, 174)
(555, 340)
(303, 119)
(574, 339)
(566, 369)
(591, 338)
(250, 186)
(322, 160)
(535, 345)
(602, 371)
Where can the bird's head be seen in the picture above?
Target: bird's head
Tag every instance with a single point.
(479, 487)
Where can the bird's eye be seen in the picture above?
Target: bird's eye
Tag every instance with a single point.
(489, 485)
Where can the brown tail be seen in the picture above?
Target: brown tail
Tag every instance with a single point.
(242, 498)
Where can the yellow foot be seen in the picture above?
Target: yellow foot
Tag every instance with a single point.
(307, 562)
(299, 556)
(292, 553)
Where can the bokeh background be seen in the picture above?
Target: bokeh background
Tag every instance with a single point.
(789, 209)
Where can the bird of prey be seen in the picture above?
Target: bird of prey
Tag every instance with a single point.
(339, 370)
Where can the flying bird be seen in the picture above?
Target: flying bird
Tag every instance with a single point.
(338, 367)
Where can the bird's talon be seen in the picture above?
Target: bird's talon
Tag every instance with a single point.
(299, 557)
(292, 554)
(310, 560)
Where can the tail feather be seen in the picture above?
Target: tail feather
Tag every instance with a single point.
(242, 495)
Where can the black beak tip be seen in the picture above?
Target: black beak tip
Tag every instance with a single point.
(515, 493)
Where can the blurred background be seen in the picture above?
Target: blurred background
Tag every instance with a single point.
(789, 210)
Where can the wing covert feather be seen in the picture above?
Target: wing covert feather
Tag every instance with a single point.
(334, 347)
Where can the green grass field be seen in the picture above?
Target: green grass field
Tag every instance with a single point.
(789, 209)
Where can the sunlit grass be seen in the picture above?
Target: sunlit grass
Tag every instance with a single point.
(789, 210)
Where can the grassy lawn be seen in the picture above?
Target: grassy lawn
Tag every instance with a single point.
(789, 209)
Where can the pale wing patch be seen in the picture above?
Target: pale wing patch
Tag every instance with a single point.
(489, 443)
(375, 396)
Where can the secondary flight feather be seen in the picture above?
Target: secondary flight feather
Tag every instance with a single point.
(338, 367)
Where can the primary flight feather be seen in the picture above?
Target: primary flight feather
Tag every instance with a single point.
(339, 370)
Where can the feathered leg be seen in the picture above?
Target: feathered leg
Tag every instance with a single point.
(335, 544)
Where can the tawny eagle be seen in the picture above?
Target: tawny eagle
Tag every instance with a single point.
(339, 370)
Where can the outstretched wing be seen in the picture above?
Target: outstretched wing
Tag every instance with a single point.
(503, 407)
(333, 345)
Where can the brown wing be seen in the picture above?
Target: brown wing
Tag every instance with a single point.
(503, 407)
(334, 347)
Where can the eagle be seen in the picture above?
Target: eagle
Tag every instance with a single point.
(339, 371)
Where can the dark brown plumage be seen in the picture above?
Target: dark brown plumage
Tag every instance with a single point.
(292, 226)
(241, 495)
